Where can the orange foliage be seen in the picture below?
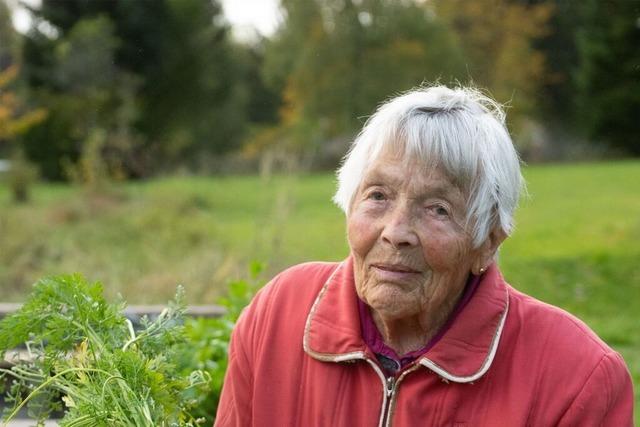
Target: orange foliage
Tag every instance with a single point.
(498, 38)
(13, 121)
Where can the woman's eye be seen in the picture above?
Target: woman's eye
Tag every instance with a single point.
(376, 195)
(440, 211)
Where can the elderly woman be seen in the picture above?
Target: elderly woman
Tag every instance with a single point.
(417, 326)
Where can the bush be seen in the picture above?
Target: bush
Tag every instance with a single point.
(206, 348)
(22, 174)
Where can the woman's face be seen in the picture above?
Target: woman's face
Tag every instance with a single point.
(406, 230)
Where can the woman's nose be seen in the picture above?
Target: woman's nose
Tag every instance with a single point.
(398, 230)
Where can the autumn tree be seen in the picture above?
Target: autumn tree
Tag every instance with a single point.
(335, 60)
(15, 115)
(15, 119)
(499, 40)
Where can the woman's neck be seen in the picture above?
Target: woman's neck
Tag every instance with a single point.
(409, 334)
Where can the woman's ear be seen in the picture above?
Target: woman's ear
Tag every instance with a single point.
(487, 251)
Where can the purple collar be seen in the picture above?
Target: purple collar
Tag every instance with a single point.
(374, 341)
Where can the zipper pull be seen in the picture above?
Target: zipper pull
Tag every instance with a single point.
(391, 381)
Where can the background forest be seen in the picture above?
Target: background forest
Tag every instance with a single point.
(141, 88)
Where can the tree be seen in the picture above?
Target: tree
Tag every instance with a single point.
(15, 120)
(335, 60)
(561, 52)
(608, 77)
(86, 92)
(182, 73)
(8, 38)
(499, 40)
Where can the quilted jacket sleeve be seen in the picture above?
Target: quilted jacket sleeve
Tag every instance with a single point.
(606, 398)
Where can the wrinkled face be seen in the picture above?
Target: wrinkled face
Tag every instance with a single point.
(406, 232)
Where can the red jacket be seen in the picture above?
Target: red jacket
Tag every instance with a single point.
(297, 358)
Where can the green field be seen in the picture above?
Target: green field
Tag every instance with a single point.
(577, 242)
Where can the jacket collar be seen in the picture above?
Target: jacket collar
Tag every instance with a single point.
(464, 353)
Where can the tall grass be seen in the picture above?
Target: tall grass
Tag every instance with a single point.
(577, 242)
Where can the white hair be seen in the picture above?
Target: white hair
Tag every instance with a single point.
(460, 130)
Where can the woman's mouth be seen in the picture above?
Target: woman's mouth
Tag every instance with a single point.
(394, 272)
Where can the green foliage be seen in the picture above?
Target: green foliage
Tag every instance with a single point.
(561, 52)
(162, 80)
(334, 61)
(92, 102)
(13, 122)
(84, 58)
(21, 176)
(608, 83)
(592, 86)
(82, 349)
(499, 43)
(9, 37)
(93, 170)
(207, 343)
(170, 89)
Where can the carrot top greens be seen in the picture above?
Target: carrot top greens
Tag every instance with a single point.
(85, 358)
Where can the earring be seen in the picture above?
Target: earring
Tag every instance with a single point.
(482, 270)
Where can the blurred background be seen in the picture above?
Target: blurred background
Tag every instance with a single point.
(150, 143)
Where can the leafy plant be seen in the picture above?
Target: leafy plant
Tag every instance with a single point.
(84, 352)
(22, 174)
(207, 342)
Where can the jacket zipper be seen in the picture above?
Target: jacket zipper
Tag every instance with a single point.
(389, 388)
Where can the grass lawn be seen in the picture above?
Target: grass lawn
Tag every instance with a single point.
(577, 242)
